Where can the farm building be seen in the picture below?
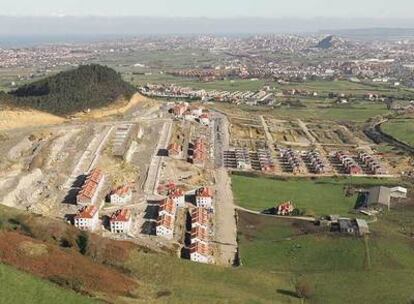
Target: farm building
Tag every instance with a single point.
(383, 195)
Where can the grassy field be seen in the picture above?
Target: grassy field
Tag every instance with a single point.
(183, 281)
(19, 287)
(336, 265)
(401, 129)
(320, 196)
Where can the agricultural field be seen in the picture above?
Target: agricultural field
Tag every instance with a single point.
(321, 196)
(401, 129)
(342, 269)
(36, 291)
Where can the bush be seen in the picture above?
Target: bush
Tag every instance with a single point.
(304, 289)
(82, 242)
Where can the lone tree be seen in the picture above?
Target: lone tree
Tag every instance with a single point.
(304, 289)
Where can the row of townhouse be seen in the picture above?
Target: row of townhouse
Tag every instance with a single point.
(167, 211)
(372, 163)
(349, 164)
(317, 163)
(166, 218)
(90, 188)
(293, 160)
(200, 250)
(199, 151)
(265, 160)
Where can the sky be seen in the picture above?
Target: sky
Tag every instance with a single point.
(212, 8)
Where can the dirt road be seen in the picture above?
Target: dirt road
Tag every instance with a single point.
(225, 227)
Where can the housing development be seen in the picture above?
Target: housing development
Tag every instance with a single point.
(283, 162)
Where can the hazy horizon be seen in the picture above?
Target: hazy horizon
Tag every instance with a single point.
(213, 8)
(126, 26)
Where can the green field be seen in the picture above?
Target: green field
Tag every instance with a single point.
(19, 287)
(188, 282)
(336, 265)
(321, 196)
(401, 129)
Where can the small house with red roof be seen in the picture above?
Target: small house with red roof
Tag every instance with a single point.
(200, 252)
(121, 195)
(87, 218)
(120, 221)
(165, 226)
(204, 197)
(177, 196)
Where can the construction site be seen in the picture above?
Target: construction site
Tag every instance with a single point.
(302, 148)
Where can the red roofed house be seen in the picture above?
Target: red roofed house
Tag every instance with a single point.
(120, 221)
(90, 189)
(174, 150)
(200, 234)
(87, 218)
(177, 196)
(179, 109)
(167, 206)
(165, 226)
(285, 208)
(200, 252)
(200, 217)
(204, 197)
(121, 195)
(205, 119)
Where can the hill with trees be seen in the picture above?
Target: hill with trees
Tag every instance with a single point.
(86, 87)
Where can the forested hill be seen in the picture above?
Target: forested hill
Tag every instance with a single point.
(89, 86)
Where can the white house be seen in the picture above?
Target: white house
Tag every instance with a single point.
(204, 197)
(200, 253)
(121, 195)
(165, 226)
(205, 119)
(87, 218)
(177, 196)
(120, 221)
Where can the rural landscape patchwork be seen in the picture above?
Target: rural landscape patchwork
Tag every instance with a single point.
(208, 168)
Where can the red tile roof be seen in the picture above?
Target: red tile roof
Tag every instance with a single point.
(204, 192)
(176, 192)
(200, 233)
(168, 206)
(90, 185)
(200, 216)
(86, 212)
(201, 248)
(166, 220)
(121, 191)
(121, 215)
